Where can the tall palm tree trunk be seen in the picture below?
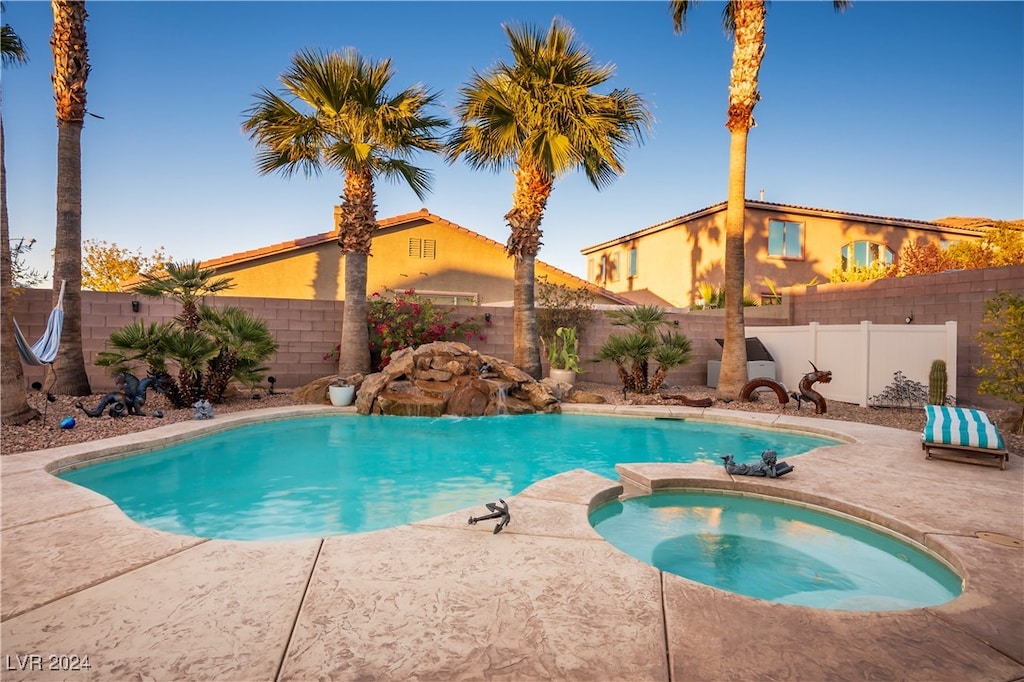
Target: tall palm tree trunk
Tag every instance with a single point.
(529, 199)
(354, 354)
(69, 366)
(14, 407)
(357, 223)
(525, 342)
(748, 51)
(70, 71)
(734, 353)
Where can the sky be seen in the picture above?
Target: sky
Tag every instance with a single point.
(901, 109)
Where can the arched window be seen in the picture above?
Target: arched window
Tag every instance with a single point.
(864, 254)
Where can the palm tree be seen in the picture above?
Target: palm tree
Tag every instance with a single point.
(70, 71)
(334, 112)
(187, 283)
(746, 20)
(540, 117)
(14, 407)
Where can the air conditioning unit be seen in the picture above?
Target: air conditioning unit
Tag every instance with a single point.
(760, 363)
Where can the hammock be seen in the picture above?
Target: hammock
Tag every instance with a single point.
(43, 351)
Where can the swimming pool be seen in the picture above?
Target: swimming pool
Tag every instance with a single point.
(316, 476)
(777, 551)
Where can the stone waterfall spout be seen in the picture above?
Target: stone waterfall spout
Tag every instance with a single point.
(448, 378)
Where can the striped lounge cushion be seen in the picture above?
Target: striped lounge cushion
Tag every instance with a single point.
(961, 427)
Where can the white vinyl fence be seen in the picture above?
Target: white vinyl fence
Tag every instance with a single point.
(862, 357)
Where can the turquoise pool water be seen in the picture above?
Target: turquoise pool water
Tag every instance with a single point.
(775, 551)
(319, 476)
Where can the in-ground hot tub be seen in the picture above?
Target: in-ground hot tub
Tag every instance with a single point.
(777, 550)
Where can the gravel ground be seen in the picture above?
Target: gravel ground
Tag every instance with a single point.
(41, 434)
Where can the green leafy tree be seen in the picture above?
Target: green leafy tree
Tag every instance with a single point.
(106, 267)
(745, 20)
(922, 259)
(334, 112)
(541, 117)
(1002, 245)
(1002, 345)
(862, 273)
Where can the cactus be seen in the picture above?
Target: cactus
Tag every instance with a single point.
(937, 383)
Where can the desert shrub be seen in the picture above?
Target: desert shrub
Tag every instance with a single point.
(562, 306)
(1002, 345)
(404, 319)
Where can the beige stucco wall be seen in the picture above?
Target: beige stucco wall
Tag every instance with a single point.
(460, 261)
(673, 260)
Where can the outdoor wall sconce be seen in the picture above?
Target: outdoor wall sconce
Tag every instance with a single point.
(909, 318)
(135, 306)
(487, 318)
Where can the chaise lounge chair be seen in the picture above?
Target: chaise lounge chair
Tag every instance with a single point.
(962, 435)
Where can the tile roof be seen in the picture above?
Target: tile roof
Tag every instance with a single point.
(788, 208)
(423, 214)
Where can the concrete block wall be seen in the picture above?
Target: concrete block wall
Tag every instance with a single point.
(306, 330)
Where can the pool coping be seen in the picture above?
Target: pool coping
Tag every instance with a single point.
(546, 598)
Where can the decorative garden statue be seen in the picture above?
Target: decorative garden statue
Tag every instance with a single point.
(768, 466)
(203, 410)
(129, 397)
(498, 513)
(808, 393)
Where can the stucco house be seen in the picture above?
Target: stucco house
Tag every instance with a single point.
(789, 245)
(418, 251)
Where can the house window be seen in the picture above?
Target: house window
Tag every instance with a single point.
(864, 254)
(632, 262)
(785, 239)
(422, 248)
(607, 269)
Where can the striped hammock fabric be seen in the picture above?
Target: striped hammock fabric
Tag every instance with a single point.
(960, 427)
(43, 351)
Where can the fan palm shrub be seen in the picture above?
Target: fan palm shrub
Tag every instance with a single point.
(206, 347)
(633, 352)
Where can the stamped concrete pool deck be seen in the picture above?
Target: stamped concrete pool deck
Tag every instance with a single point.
(546, 599)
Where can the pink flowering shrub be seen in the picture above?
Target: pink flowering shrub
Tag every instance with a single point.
(404, 319)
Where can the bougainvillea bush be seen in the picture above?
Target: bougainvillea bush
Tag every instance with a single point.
(403, 319)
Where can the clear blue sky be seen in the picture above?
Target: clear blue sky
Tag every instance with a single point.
(910, 110)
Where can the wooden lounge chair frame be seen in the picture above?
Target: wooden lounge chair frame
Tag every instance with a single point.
(968, 454)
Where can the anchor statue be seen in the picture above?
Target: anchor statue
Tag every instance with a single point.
(768, 466)
(497, 514)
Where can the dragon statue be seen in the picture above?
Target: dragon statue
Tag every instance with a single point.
(129, 397)
(807, 391)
